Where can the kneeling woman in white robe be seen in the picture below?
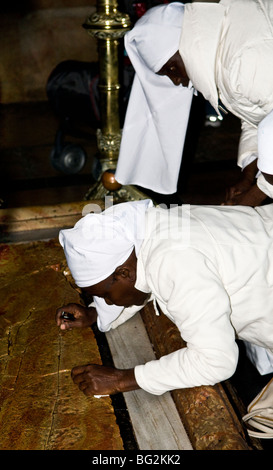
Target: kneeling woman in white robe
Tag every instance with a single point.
(209, 269)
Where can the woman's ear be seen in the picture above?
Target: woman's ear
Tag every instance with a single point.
(125, 273)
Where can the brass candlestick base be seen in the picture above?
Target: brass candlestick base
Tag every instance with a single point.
(108, 186)
(108, 26)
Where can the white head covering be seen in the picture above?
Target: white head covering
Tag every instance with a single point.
(99, 243)
(158, 111)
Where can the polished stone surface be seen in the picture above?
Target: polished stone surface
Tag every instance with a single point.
(41, 408)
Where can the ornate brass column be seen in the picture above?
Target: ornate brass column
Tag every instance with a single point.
(108, 26)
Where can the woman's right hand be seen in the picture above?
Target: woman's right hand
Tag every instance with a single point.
(82, 316)
(246, 182)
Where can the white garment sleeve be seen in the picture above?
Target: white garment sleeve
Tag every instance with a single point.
(261, 358)
(249, 159)
(199, 305)
(265, 186)
(265, 144)
(257, 143)
(248, 145)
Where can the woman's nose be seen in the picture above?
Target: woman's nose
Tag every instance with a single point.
(176, 80)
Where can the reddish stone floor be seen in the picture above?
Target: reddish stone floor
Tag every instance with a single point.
(40, 407)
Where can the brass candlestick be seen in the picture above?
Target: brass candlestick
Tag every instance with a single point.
(108, 26)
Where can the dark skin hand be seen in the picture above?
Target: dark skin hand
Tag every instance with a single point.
(83, 316)
(93, 379)
(246, 191)
(246, 181)
(253, 197)
(118, 289)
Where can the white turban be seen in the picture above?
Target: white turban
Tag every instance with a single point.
(99, 243)
(158, 111)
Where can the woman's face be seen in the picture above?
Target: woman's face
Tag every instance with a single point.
(118, 289)
(175, 70)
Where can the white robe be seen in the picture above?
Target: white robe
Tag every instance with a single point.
(227, 49)
(213, 277)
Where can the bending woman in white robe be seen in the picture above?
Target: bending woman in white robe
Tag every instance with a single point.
(223, 51)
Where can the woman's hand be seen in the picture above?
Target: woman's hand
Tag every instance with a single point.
(93, 379)
(81, 317)
(253, 197)
(243, 186)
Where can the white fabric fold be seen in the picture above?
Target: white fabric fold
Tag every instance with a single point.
(261, 358)
(199, 44)
(265, 144)
(99, 243)
(158, 111)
